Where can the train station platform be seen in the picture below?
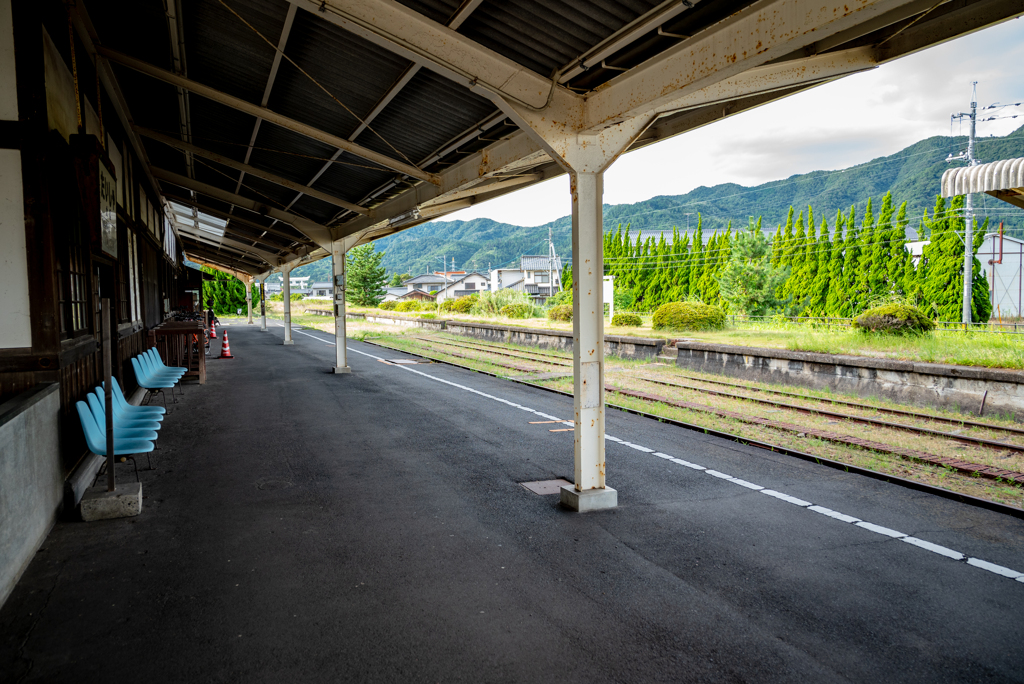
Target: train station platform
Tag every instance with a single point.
(302, 526)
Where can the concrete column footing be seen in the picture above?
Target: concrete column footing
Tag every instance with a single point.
(286, 342)
(343, 369)
(124, 502)
(589, 499)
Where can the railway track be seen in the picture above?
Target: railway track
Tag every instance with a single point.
(902, 452)
(958, 422)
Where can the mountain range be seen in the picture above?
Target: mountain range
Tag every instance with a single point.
(912, 174)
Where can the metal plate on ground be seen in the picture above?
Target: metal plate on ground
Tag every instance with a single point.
(544, 487)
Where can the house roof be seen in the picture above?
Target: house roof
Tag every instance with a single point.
(396, 291)
(453, 283)
(538, 289)
(425, 278)
(415, 294)
(535, 262)
(1002, 179)
(320, 286)
(513, 283)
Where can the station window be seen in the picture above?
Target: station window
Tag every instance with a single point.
(73, 276)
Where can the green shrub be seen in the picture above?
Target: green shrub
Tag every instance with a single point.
(560, 313)
(894, 319)
(428, 316)
(688, 316)
(408, 305)
(517, 311)
(627, 320)
(448, 305)
(388, 306)
(276, 297)
(464, 305)
(491, 303)
(560, 297)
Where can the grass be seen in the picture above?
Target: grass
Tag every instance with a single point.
(986, 349)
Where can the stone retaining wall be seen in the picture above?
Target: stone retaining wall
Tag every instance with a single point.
(614, 345)
(961, 387)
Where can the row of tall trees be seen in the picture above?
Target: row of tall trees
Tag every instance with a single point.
(807, 268)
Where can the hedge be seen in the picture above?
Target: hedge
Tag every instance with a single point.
(463, 305)
(388, 306)
(894, 319)
(688, 316)
(627, 320)
(562, 313)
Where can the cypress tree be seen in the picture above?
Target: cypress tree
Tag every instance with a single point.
(851, 255)
(817, 304)
(836, 281)
(897, 258)
(696, 261)
(776, 252)
(943, 285)
(878, 276)
(794, 287)
(865, 244)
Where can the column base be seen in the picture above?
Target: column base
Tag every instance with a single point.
(124, 502)
(287, 342)
(589, 499)
(342, 369)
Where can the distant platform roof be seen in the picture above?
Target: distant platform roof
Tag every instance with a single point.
(1002, 179)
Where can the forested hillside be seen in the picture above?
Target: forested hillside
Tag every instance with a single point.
(912, 175)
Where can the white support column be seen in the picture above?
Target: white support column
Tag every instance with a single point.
(588, 343)
(586, 158)
(340, 338)
(286, 291)
(248, 299)
(263, 304)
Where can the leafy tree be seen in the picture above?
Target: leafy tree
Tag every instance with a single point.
(225, 294)
(364, 276)
(749, 281)
(399, 278)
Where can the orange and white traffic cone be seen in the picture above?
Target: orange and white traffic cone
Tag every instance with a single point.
(213, 330)
(225, 349)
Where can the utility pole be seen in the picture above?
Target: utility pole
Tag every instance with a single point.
(551, 249)
(968, 203)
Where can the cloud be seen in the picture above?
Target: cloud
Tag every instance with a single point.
(846, 122)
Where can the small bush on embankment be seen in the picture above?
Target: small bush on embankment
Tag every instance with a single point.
(562, 312)
(410, 305)
(517, 311)
(387, 306)
(627, 320)
(464, 305)
(894, 319)
(688, 316)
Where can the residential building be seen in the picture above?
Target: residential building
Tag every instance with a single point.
(463, 285)
(536, 275)
(324, 289)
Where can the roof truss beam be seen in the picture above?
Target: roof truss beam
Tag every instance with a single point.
(234, 218)
(268, 256)
(251, 170)
(264, 113)
(314, 231)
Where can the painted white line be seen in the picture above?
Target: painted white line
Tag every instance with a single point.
(315, 337)
(871, 527)
(786, 497)
(880, 530)
(934, 548)
(992, 567)
(833, 514)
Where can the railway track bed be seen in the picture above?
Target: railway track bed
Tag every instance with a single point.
(979, 458)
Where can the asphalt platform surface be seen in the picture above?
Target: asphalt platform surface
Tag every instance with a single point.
(302, 526)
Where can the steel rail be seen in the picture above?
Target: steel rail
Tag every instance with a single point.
(491, 350)
(835, 414)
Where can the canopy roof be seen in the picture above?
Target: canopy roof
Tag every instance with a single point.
(1001, 179)
(288, 124)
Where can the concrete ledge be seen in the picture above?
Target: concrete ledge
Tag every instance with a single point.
(590, 499)
(124, 502)
(959, 387)
(342, 369)
(545, 338)
(288, 342)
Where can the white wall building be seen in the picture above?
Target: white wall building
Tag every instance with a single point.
(463, 286)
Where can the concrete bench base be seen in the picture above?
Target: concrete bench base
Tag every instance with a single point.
(124, 502)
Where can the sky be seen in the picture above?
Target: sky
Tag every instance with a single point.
(846, 122)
